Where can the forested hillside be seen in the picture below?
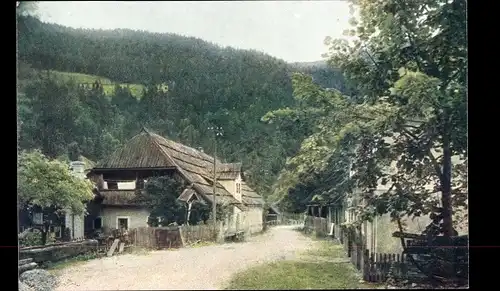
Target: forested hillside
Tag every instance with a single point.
(207, 85)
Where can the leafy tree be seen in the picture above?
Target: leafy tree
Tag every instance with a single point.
(200, 213)
(50, 185)
(405, 120)
(160, 197)
(429, 106)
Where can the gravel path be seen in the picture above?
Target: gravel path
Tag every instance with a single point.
(202, 268)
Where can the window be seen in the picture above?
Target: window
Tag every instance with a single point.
(112, 185)
(98, 223)
(238, 188)
(37, 218)
(122, 222)
(57, 230)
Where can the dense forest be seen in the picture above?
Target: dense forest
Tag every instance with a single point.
(207, 85)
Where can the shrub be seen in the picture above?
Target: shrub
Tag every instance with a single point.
(31, 239)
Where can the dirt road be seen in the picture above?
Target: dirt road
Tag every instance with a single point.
(202, 268)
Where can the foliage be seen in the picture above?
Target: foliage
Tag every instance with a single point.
(223, 212)
(49, 183)
(200, 213)
(160, 197)
(404, 122)
(31, 239)
(312, 270)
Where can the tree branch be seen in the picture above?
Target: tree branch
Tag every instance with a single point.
(434, 161)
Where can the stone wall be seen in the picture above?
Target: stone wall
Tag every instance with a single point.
(57, 252)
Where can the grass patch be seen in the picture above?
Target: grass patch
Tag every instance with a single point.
(322, 267)
(107, 84)
(327, 249)
(202, 244)
(297, 275)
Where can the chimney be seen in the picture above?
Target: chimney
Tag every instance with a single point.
(78, 168)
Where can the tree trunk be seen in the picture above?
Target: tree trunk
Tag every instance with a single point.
(44, 235)
(446, 188)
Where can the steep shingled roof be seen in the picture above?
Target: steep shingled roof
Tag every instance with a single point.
(249, 196)
(150, 150)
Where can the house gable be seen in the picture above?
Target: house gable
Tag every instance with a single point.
(139, 152)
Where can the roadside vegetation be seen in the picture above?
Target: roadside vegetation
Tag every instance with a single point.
(322, 267)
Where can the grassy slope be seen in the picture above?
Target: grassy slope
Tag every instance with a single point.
(323, 267)
(108, 85)
(25, 72)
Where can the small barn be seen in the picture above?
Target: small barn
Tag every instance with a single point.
(273, 214)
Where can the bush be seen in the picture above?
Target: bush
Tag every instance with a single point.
(31, 239)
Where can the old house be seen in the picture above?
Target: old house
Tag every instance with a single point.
(378, 234)
(125, 172)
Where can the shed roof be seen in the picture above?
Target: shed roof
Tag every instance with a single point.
(249, 196)
(187, 194)
(275, 209)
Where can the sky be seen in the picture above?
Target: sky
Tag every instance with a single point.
(291, 30)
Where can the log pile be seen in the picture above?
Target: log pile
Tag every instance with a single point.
(57, 252)
(116, 242)
(26, 265)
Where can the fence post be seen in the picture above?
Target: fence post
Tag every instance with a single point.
(384, 267)
(372, 268)
(366, 265)
(181, 236)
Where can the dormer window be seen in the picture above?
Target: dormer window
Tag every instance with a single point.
(238, 188)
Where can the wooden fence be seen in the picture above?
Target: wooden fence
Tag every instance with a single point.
(375, 267)
(171, 236)
(435, 256)
(318, 225)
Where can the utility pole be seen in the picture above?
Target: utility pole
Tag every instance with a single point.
(217, 132)
(214, 204)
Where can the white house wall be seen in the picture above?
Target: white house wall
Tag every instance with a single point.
(138, 217)
(254, 219)
(76, 226)
(379, 232)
